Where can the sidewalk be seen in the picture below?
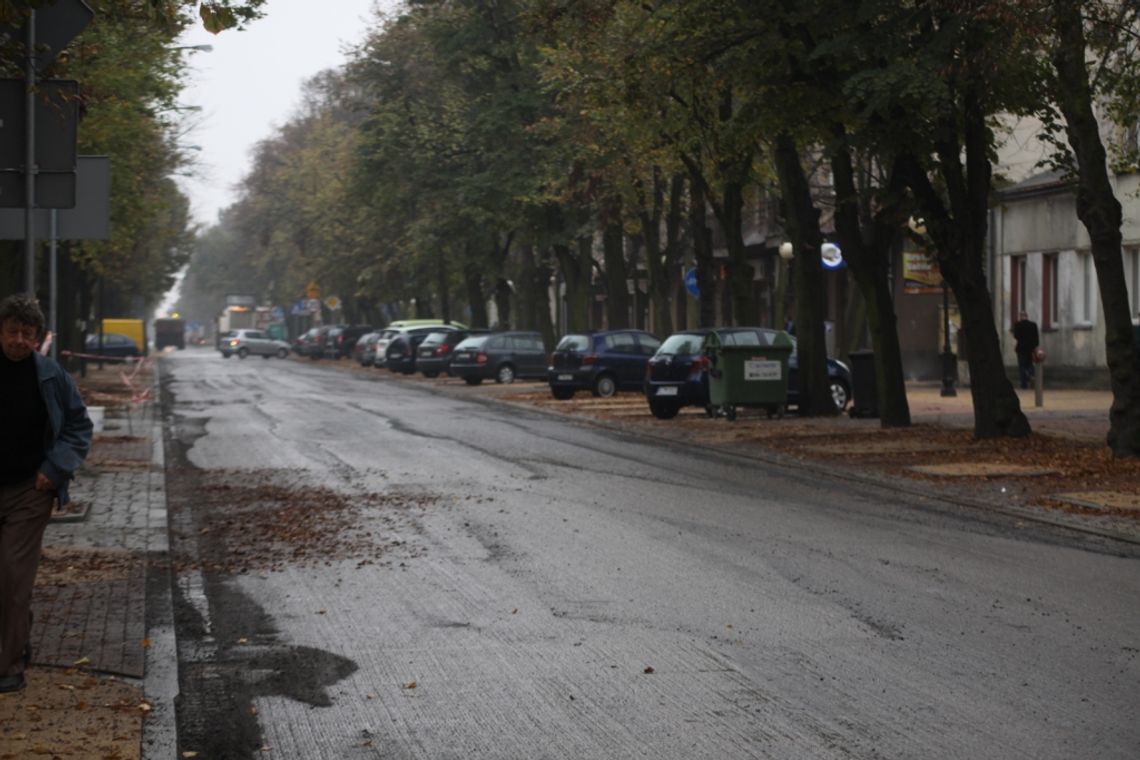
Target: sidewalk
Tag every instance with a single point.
(102, 679)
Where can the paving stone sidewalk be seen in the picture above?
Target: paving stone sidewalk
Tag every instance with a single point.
(101, 602)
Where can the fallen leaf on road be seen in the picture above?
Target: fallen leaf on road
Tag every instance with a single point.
(649, 670)
(82, 661)
(409, 685)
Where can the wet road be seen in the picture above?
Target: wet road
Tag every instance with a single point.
(366, 569)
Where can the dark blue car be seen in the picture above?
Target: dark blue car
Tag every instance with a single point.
(677, 375)
(600, 362)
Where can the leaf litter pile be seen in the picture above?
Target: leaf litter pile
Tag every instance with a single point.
(248, 521)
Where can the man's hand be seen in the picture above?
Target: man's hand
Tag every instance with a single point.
(43, 482)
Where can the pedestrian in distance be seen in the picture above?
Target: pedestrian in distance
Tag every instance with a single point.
(46, 435)
(1027, 339)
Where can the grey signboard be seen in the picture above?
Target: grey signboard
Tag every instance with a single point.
(89, 219)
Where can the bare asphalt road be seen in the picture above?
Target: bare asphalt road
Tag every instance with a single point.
(369, 570)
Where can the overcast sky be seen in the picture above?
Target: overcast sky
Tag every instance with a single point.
(250, 84)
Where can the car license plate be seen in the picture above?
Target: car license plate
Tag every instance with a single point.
(565, 378)
(667, 390)
(395, 356)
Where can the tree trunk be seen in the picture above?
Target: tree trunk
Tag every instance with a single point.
(657, 263)
(1100, 212)
(959, 234)
(802, 219)
(473, 281)
(702, 253)
(617, 276)
(672, 250)
(576, 271)
(442, 287)
(739, 270)
(868, 255)
(502, 294)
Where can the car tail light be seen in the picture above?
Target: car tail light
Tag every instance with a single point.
(589, 359)
(481, 358)
(700, 363)
(443, 349)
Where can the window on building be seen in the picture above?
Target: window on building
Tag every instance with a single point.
(1016, 287)
(1086, 292)
(1049, 292)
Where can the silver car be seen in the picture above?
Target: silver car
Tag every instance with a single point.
(246, 342)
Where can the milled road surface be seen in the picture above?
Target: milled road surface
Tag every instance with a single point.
(482, 582)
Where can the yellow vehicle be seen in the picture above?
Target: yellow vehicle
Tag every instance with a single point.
(134, 329)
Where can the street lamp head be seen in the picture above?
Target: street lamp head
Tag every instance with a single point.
(787, 251)
(917, 225)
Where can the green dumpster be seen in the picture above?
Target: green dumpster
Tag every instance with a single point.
(748, 375)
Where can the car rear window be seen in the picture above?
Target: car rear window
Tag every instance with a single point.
(680, 345)
(574, 343)
(527, 343)
(435, 338)
(623, 342)
(475, 341)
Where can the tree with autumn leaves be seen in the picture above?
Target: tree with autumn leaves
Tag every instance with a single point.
(481, 147)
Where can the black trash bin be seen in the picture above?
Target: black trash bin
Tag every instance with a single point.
(864, 388)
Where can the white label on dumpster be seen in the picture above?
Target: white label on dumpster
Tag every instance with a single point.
(762, 369)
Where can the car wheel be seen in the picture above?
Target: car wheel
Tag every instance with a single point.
(605, 386)
(243, 352)
(265, 357)
(562, 394)
(840, 395)
(282, 353)
(506, 375)
(473, 380)
(710, 411)
(225, 354)
(431, 374)
(664, 411)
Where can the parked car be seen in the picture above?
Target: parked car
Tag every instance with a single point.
(501, 357)
(364, 350)
(255, 342)
(400, 354)
(115, 346)
(393, 329)
(601, 362)
(341, 338)
(304, 341)
(677, 375)
(315, 349)
(433, 357)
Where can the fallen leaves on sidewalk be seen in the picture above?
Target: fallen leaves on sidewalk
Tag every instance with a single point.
(68, 713)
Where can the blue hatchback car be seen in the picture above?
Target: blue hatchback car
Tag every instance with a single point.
(601, 362)
(677, 375)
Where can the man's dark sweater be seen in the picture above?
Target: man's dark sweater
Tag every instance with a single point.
(23, 421)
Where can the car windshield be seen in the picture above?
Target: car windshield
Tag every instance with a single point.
(681, 344)
(574, 343)
(475, 341)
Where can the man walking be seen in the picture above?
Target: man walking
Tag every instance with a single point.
(46, 435)
(1027, 337)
